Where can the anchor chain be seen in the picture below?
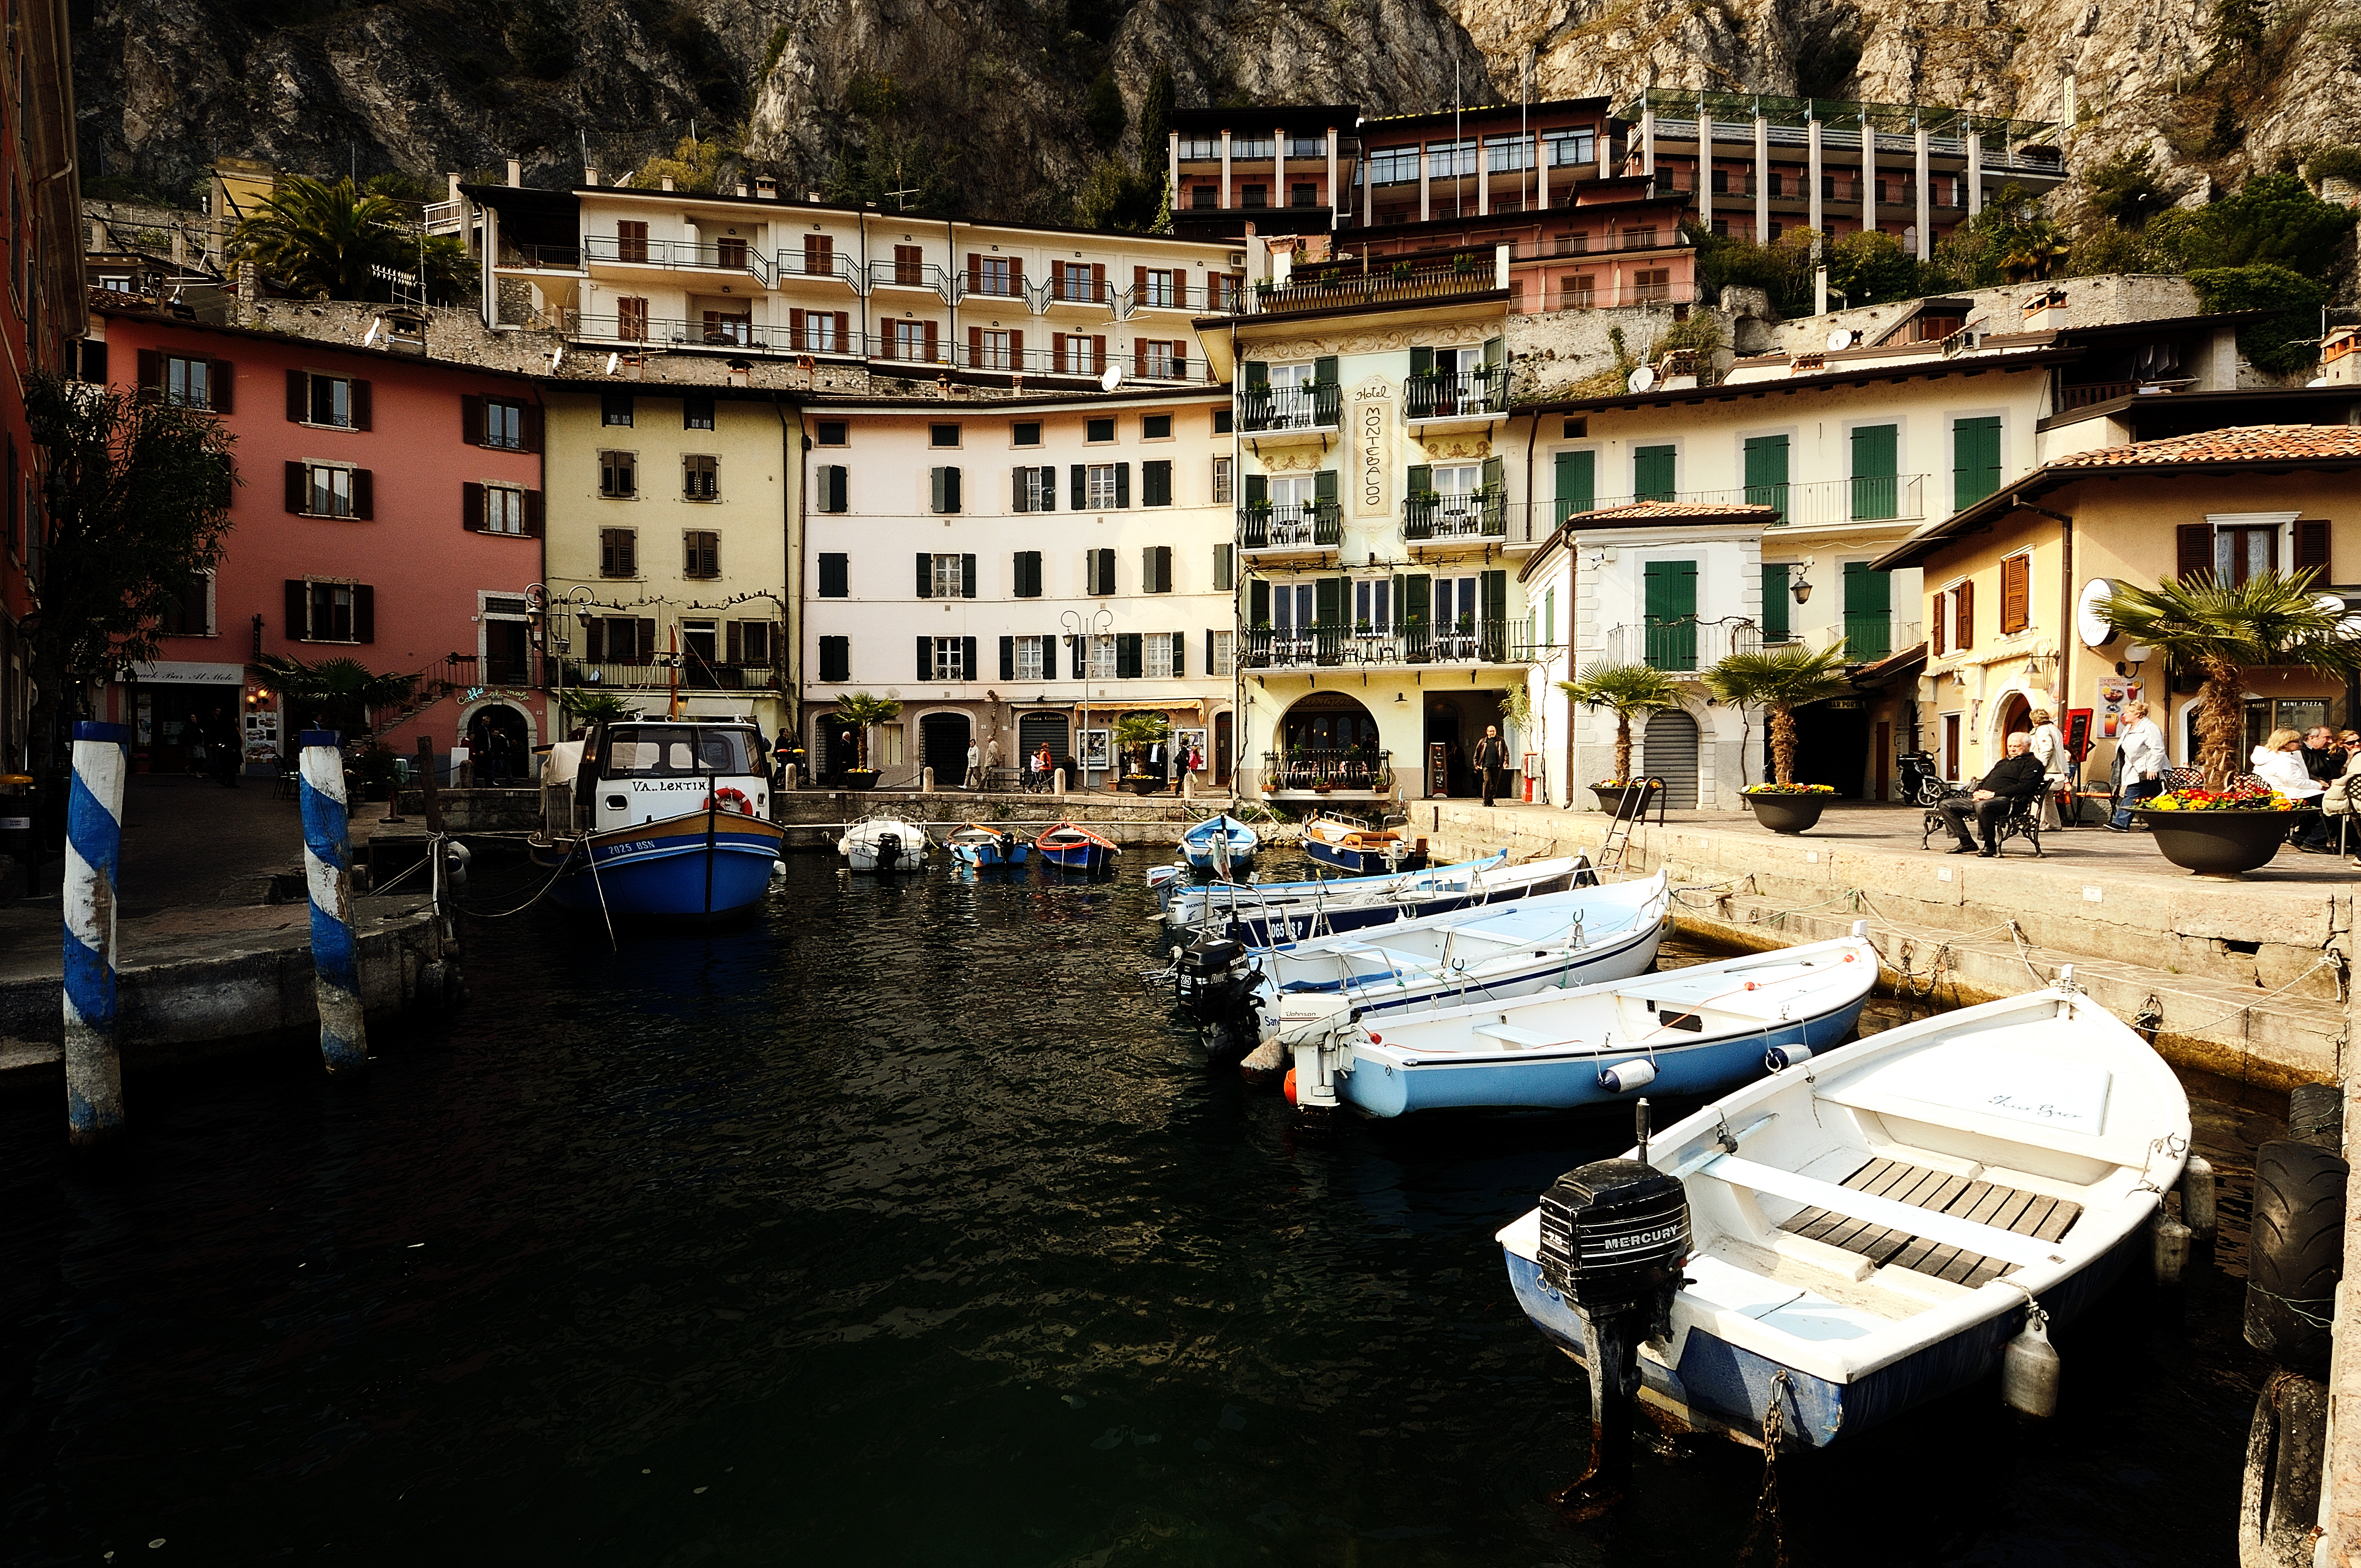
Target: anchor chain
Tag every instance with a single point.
(1766, 1506)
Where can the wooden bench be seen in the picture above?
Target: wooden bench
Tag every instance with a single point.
(1963, 1231)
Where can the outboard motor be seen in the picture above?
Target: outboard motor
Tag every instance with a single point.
(1614, 1236)
(889, 850)
(1216, 985)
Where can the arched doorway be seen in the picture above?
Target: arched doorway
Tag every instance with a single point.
(500, 745)
(2015, 714)
(1329, 736)
(942, 746)
(1668, 750)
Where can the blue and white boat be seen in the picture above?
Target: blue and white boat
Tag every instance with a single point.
(1692, 1031)
(884, 842)
(974, 845)
(1188, 904)
(1220, 846)
(1073, 848)
(1361, 851)
(667, 818)
(1868, 1232)
(1264, 916)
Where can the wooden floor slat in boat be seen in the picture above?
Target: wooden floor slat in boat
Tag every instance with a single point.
(2004, 1207)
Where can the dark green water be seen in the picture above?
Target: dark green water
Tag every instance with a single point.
(898, 1228)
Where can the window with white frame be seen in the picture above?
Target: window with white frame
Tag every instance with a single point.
(1446, 160)
(1103, 657)
(1028, 658)
(1222, 481)
(951, 661)
(1098, 486)
(948, 577)
(1156, 656)
(504, 509)
(1373, 603)
(1224, 660)
(995, 351)
(1454, 604)
(1569, 148)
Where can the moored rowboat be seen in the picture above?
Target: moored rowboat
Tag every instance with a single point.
(1071, 847)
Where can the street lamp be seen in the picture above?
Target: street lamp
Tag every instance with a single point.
(549, 627)
(1082, 628)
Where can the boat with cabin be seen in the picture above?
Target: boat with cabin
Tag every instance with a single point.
(664, 817)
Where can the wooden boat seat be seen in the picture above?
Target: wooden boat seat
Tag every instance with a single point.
(1513, 1037)
(1971, 1231)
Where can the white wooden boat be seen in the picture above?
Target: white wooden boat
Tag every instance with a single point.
(975, 845)
(1220, 846)
(1264, 915)
(1869, 1230)
(1691, 1031)
(1188, 904)
(883, 843)
(1350, 847)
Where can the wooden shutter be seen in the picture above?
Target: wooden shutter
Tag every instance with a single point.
(1008, 658)
(1417, 598)
(1017, 479)
(1057, 353)
(2015, 593)
(1257, 372)
(1139, 284)
(2311, 546)
(361, 404)
(1937, 631)
(530, 426)
(733, 645)
(471, 507)
(364, 613)
(1964, 629)
(1050, 658)
(1324, 370)
(363, 493)
(299, 397)
(931, 349)
(967, 576)
(1774, 602)
(1328, 601)
(1147, 569)
(974, 346)
(926, 576)
(1258, 491)
(1975, 461)
(221, 386)
(1180, 358)
(1127, 661)
(1098, 291)
(1180, 656)
(298, 485)
(1081, 492)
(951, 488)
(150, 370)
(645, 652)
(1258, 602)
(299, 606)
(1048, 487)
(1323, 491)
(833, 576)
(1098, 352)
(1421, 480)
(935, 490)
(844, 333)
(1139, 356)
(2192, 549)
(967, 659)
(1421, 361)
(926, 658)
(471, 415)
(1653, 473)
(1223, 582)
(1578, 483)
(1123, 485)
(974, 273)
(533, 514)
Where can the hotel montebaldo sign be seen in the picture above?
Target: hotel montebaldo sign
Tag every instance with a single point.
(1373, 427)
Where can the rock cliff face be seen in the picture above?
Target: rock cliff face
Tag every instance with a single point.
(988, 98)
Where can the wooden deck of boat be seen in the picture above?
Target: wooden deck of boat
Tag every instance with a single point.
(2009, 1209)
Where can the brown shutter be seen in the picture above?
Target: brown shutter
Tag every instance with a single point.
(1180, 358)
(298, 482)
(1098, 352)
(471, 420)
(1017, 349)
(471, 507)
(298, 608)
(844, 331)
(1139, 359)
(299, 397)
(647, 648)
(795, 329)
(1935, 625)
(1139, 284)
(1098, 283)
(360, 404)
(363, 493)
(1057, 351)
(2311, 545)
(151, 370)
(1964, 633)
(733, 639)
(2015, 574)
(974, 346)
(533, 514)
(974, 286)
(533, 427)
(221, 386)
(2193, 549)
(364, 613)
(932, 350)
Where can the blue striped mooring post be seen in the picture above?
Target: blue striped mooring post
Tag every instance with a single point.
(94, 852)
(335, 967)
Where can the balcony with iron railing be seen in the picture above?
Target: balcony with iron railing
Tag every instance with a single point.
(1899, 498)
(1628, 294)
(923, 275)
(464, 672)
(1457, 394)
(1343, 288)
(539, 257)
(829, 267)
(1679, 645)
(1327, 770)
(1470, 641)
(730, 256)
(737, 332)
(1265, 408)
(1163, 368)
(1282, 527)
(1455, 520)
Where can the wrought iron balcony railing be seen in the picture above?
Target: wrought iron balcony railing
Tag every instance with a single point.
(1309, 767)
(1262, 407)
(730, 256)
(1290, 526)
(1483, 515)
(1471, 641)
(1457, 394)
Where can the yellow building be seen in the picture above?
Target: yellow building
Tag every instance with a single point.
(2006, 582)
(668, 564)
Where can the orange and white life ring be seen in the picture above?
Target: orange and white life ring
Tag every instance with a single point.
(731, 799)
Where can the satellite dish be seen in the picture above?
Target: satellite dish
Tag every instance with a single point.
(2094, 627)
(1112, 379)
(612, 361)
(371, 336)
(1642, 378)
(1841, 339)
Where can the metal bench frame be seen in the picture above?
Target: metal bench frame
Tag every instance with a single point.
(2023, 821)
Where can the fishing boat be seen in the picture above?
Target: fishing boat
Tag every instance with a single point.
(1188, 904)
(1264, 915)
(667, 818)
(1692, 1031)
(1073, 848)
(1363, 851)
(883, 842)
(1220, 846)
(1866, 1233)
(978, 846)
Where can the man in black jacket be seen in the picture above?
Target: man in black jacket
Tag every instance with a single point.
(1491, 756)
(2016, 778)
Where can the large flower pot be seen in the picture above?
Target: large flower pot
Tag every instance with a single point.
(1617, 800)
(2225, 844)
(1788, 813)
(860, 778)
(1144, 786)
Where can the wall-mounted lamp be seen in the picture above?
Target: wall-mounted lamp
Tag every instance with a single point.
(1400, 698)
(1801, 586)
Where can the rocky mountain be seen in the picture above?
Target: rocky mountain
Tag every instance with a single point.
(988, 102)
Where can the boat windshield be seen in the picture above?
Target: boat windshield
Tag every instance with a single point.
(653, 751)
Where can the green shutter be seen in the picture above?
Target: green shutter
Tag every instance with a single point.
(1008, 658)
(1874, 485)
(1774, 602)
(1766, 473)
(1048, 487)
(1578, 483)
(1258, 603)
(1421, 480)
(1180, 654)
(1223, 582)
(1868, 612)
(1670, 589)
(1256, 373)
(1258, 491)
(1651, 473)
(1975, 461)
(926, 658)
(1122, 484)
(1082, 487)
(1050, 658)
(1492, 616)
(1422, 362)
(935, 488)
(967, 576)
(1127, 656)
(1017, 477)
(1324, 492)
(1328, 595)
(1324, 370)
(925, 575)
(1495, 353)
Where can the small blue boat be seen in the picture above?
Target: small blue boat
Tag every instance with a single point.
(1692, 1031)
(1261, 916)
(978, 846)
(1220, 846)
(667, 818)
(1076, 848)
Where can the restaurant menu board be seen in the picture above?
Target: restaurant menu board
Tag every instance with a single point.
(2078, 733)
(1438, 768)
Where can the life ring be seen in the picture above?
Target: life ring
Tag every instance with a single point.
(731, 799)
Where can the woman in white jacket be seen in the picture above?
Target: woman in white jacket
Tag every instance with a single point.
(2049, 749)
(2278, 763)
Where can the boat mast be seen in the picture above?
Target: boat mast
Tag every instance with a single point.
(672, 697)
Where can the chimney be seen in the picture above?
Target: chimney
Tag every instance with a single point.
(667, 181)
(766, 188)
(818, 196)
(2046, 311)
(589, 175)
(742, 187)
(516, 172)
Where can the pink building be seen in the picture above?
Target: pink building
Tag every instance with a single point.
(390, 511)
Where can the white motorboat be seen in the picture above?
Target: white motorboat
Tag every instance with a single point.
(883, 843)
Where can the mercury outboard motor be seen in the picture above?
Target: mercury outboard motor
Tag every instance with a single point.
(1614, 1236)
(1216, 985)
(889, 850)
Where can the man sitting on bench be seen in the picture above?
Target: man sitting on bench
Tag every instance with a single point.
(2013, 781)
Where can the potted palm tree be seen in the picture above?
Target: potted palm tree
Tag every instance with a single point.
(1134, 734)
(1781, 680)
(339, 692)
(861, 710)
(2221, 632)
(1623, 690)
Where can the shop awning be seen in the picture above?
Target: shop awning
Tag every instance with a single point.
(1190, 705)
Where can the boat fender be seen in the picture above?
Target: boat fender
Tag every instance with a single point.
(455, 857)
(2295, 1254)
(2029, 1367)
(2170, 1250)
(2196, 1210)
(1625, 1076)
(1779, 1059)
(1287, 1086)
(1750, 985)
(778, 871)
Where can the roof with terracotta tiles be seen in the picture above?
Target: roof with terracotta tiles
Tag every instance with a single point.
(2239, 444)
(1637, 513)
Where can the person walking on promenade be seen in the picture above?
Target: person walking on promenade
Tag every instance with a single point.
(2139, 764)
(2015, 778)
(2049, 750)
(1491, 756)
(990, 760)
(974, 766)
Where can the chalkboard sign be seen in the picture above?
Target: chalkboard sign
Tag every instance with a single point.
(2078, 733)
(1438, 769)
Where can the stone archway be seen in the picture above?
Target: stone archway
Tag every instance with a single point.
(500, 744)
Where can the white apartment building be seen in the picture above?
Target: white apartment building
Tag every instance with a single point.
(1019, 570)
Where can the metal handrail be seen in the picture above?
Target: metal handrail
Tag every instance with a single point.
(678, 253)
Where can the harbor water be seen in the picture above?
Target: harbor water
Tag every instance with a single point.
(897, 1226)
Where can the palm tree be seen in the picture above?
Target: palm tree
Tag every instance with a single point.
(1135, 732)
(596, 707)
(2219, 630)
(315, 240)
(1623, 690)
(338, 692)
(1782, 679)
(861, 710)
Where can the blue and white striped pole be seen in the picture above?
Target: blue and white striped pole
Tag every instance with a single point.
(94, 852)
(335, 968)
